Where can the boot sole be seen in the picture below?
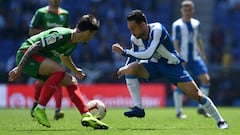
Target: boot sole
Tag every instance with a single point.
(87, 124)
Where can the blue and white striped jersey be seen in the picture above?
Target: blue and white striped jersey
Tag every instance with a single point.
(187, 33)
(159, 45)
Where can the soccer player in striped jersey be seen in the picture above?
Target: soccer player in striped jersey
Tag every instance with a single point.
(34, 58)
(187, 41)
(45, 18)
(162, 60)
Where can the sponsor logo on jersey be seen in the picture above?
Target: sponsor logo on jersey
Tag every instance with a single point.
(51, 40)
(51, 25)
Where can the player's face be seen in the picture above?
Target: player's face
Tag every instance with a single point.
(88, 35)
(187, 11)
(135, 29)
(54, 3)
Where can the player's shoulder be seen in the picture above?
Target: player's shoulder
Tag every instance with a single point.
(195, 21)
(155, 25)
(60, 30)
(63, 11)
(177, 22)
(42, 9)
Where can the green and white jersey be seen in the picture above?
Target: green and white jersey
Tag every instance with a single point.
(55, 42)
(44, 19)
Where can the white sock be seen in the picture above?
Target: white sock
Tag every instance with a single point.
(210, 108)
(88, 113)
(178, 100)
(205, 90)
(40, 106)
(134, 90)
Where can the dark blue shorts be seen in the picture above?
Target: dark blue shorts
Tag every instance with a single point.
(174, 73)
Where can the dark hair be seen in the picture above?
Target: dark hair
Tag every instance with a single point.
(88, 22)
(138, 16)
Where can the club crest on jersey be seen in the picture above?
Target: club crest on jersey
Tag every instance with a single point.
(51, 40)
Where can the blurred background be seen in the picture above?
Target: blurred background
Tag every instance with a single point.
(220, 25)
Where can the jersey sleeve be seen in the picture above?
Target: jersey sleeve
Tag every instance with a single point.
(36, 21)
(54, 38)
(58, 42)
(130, 59)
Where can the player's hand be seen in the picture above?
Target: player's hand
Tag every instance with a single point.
(79, 74)
(14, 74)
(117, 48)
(122, 71)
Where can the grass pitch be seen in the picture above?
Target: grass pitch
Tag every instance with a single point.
(158, 121)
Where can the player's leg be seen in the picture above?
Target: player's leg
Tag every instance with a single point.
(58, 99)
(76, 97)
(199, 70)
(56, 73)
(134, 90)
(58, 95)
(205, 82)
(134, 69)
(132, 72)
(37, 91)
(191, 89)
(204, 87)
(181, 78)
(178, 102)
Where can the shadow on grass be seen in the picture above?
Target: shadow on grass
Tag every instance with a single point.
(49, 129)
(111, 128)
(159, 129)
(139, 129)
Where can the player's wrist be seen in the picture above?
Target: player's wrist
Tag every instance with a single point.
(124, 53)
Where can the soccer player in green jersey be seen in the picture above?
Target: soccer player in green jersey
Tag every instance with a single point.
(34, 58)
(45, 18)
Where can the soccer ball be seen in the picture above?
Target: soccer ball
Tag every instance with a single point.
(97, 108)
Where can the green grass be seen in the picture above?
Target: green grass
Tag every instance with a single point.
(158, 121)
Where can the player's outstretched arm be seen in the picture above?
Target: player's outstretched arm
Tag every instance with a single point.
(67, 60)
(16, 72)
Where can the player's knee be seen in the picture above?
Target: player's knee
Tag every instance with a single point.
(69, 80)
(74, 80)
(205, 81)
(61, 69)
(129, 70)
